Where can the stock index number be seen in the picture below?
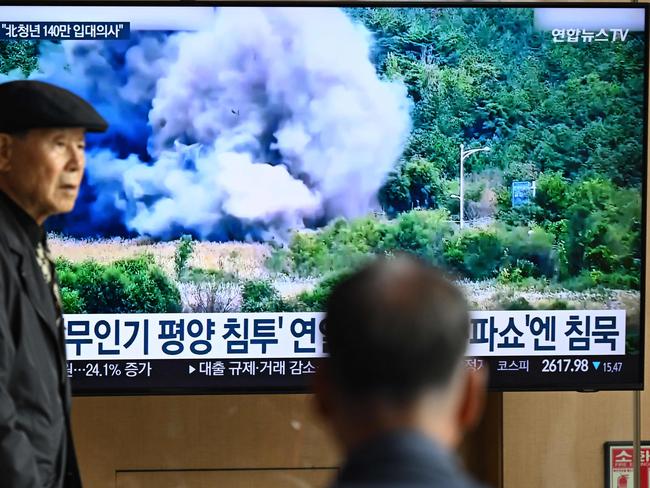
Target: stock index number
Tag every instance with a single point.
(565, 365)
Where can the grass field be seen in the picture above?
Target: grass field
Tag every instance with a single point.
(248, 261)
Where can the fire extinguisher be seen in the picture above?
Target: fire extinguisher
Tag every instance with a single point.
(622, 481)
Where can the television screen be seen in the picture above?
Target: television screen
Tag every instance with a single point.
(257, 155)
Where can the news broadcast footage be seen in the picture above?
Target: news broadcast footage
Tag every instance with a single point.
(258, 155)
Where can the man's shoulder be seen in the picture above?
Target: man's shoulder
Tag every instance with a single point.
(13, 239)
(403, 459)
(458, 480)
(8, 225)
(409, 484)
(6, 256)
(13, 248)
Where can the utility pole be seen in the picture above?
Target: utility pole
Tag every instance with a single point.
(463, 155)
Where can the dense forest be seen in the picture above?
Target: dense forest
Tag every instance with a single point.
(567, 116)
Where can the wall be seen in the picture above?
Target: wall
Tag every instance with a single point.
(197, 441)
(261, 441)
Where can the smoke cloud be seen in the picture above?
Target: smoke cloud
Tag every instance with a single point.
(272, 120)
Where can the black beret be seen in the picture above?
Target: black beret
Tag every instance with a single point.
(30, 104)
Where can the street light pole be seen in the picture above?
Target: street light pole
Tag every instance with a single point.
(462, 185)
(463, 155)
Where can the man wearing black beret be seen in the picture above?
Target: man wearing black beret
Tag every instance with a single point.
(42, 144)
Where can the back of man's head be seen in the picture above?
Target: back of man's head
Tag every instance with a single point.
(395, 329)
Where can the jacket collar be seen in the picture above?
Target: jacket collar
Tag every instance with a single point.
(21, 234)
(21, 221)
(399, 452)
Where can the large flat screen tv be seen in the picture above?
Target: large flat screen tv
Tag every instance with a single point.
(259, 153)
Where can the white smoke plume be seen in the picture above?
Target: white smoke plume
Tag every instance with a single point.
(272, 120)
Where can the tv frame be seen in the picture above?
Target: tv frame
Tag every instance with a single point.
(402, 4)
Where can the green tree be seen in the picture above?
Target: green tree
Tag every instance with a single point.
(421, 232)
(552, 195)
(417, 184)
(476, 254)
(260, 296)
(134, 285)
(182, 255)
(22, 55)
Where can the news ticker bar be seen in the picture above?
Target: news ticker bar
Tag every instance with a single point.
(286, 374)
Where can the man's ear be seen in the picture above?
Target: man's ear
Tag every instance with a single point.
(473, 401)
(5, 152)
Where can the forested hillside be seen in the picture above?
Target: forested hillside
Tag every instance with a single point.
(568, 116)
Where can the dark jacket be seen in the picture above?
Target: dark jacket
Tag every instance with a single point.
(402, 459)
(36, 449)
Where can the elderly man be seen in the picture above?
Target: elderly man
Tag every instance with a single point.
(394, 388)
(42, 138)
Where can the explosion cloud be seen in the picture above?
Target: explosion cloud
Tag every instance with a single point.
(272, 120)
